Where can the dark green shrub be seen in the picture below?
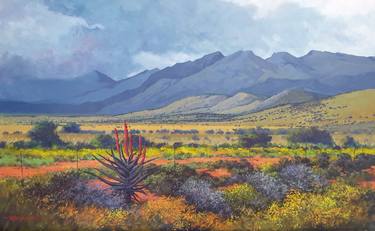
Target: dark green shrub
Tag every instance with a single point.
(364, 161)
(310, 135)
(322, 160)
(71, 127)
(25, 144)
(44, 134)
(350, 142)
(255, 139)
(103, 141)
(345, 163)
(169, 179)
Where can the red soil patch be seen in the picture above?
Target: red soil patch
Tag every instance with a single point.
(20, 218)
(369, 183)
(220, 172)
(63, 166)
(56, 167)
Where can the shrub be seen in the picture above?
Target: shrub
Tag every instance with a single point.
(243, 196)
(306, 211)
(103, 141)
(44, 134)
(24, 144)
(259, 139)
(323, 160)
(169, 179)
(270, 187)
(284, 162)
(345, 163)
(350, 142)
(364, 161)
(302, 178)
(69, 187)
(310, 135)
(71, 127)
(195, 138)
(201, 194)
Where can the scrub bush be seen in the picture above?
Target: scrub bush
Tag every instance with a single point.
(270, 187)
(169, 179)
(301, 177)
(204, 197)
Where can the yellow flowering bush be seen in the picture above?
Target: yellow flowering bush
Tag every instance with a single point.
(338, 207)
(174, 213)
(242, 197)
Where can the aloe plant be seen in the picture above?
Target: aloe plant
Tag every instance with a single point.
(129, 166)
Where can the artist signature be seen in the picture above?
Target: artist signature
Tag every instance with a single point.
(18, 218)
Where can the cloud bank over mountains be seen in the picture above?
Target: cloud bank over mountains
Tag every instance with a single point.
(63, 39)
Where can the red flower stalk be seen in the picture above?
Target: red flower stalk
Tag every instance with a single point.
(144, 155)
(139, 145)
(117, 141)
(131, 144)
(126, 139)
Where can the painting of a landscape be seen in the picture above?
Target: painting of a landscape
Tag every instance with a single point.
(187, 115)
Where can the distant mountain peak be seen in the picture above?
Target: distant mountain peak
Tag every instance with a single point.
(209, 58)
(282, 54)
(282, 58)
(96, 76)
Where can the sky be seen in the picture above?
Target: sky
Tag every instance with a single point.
(66, 38)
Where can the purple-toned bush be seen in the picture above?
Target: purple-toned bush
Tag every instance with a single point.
(201, 194)
(270, 187)
(83, 195)
(69, 187)
(301, 177)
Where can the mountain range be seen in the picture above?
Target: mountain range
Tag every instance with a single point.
(239, 83)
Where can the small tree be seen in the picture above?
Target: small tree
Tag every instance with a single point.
(310, 135)
(175, 146)
(44, 134)
(71, 128)
(350, 142)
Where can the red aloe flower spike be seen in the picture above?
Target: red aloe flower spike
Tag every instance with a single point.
(131, 144)
(139, 145)
(117, 143)
(126, 139)
(143, 155)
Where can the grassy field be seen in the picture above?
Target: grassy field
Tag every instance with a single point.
(353, 108)
(13, 131)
